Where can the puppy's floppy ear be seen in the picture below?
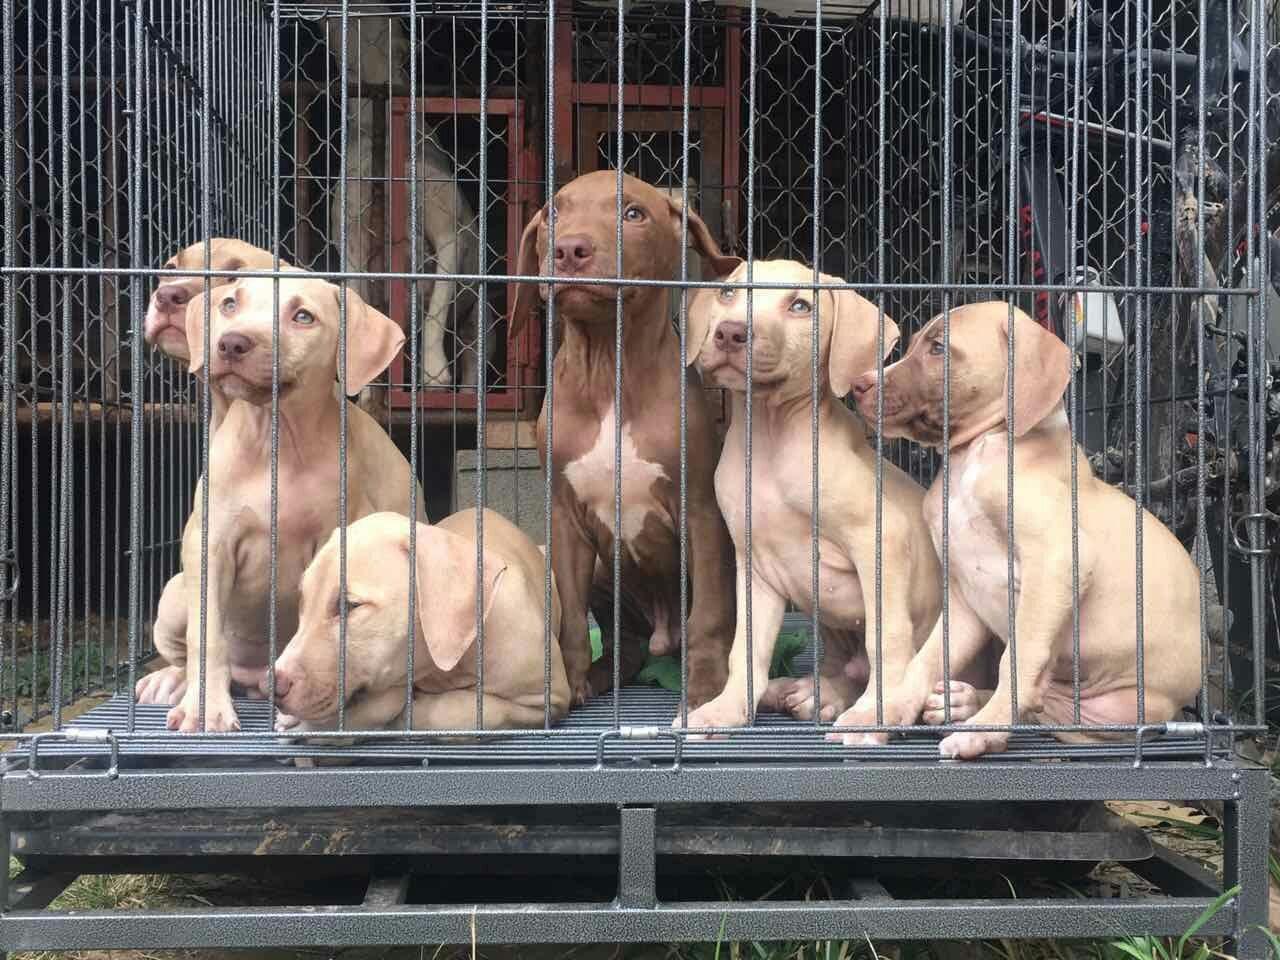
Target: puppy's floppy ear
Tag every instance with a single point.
(699, 327)
(373, 340)
(446, 592)
(700, 239)
(526, 266)
(855, 333)
(1041, 370)
(195, 328)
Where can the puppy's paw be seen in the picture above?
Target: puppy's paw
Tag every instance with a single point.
(723, 711)
(779, 690)
(863, 714)
(287, 723)
(794, 696)
(967, 745)
(580, 691)
(164, 687)
(964, 703)
(219, 714)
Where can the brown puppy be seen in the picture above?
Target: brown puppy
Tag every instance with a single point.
(444, 664)
(851, 330)
(238, 557)
(584, 432)
(980, 541)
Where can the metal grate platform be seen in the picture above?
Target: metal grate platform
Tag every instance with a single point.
(575, 740)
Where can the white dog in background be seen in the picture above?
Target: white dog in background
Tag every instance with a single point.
(448, 226)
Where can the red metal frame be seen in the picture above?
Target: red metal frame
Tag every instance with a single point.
(524, 351)
(571, 94)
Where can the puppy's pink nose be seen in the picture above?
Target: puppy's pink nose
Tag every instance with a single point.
(233, 346)
(573, 253)
(731, 336)
(865, 384)
(170, 296)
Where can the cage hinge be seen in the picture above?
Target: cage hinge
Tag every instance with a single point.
(76, 736)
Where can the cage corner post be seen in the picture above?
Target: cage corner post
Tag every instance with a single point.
(1244, 862)
(5, 886)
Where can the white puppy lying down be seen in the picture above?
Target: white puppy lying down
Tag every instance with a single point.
(444, 636)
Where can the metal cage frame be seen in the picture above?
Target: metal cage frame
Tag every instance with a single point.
(158, 137)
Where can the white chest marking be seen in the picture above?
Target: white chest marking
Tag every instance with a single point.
(591, 477)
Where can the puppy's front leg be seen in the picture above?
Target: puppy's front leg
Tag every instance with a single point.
(1043, 613)
(573, 562)
(731, 708)
(964, 642)
(169, 634)
(215, 666)
(711, 624)
(890, 637)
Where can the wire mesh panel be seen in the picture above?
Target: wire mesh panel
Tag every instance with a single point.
(822, 387)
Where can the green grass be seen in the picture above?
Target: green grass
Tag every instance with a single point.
(31, 677)
(1183, 948)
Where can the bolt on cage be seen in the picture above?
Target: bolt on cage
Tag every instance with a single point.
(1113, 161)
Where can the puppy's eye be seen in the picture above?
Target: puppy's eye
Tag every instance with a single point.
(303, 318)
(936, 348)
(635, 214)
(801, 306)
(352, 604)
(726, 294)
(229, 306)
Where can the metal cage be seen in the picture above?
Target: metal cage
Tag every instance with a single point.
(1110, 168)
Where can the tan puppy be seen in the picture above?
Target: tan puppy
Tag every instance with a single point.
(238, 558)
(444, 660)
(850, 332)
(165, 328)
(585, 431)
(980, 542)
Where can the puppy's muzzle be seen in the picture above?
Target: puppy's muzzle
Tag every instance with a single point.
(731, 336)
(865, 391)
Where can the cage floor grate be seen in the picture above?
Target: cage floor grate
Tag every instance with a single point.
(576, 740)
